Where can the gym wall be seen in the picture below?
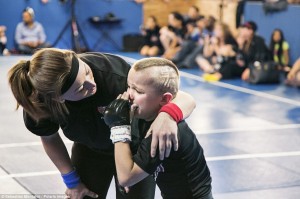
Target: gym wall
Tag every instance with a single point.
(288, 21)
(54, 15)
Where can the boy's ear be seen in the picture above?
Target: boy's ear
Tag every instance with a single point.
(166, 98)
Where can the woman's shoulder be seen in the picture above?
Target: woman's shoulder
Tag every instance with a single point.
(285, 45)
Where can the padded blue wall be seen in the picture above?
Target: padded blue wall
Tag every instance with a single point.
(288, 21)
(54, 16)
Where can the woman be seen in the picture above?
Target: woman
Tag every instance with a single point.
(59, 89)
(152, 46)
(171, 37)
(251, 48)
(219, 55)
(280, 48)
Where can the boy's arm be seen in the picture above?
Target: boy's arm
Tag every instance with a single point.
(116, 116)
(128, 172)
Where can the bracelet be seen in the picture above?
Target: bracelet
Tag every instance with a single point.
(120, 134)
(71, 179)
(173, 110)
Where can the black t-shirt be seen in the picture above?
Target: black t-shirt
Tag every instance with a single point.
(258, 51)
(184, 174)
(152, 37)
(84, 123)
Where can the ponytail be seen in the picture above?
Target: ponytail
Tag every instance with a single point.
(37, 84)
(22, 89)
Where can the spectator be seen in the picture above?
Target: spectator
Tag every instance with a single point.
(3, 40)
(30, 34)
(192, 15)
(191, 48)
(152, 46)
(219, 55)
(293, 77)
(172, 36)
(280, 48)
(252, 48)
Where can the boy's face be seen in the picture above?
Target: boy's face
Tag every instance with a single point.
(143, 95)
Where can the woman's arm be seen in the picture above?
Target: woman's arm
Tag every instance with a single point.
(164, 128)
(57, 152)
(294, 70)
(286, 56)
(208, 47)
(174, 40)
(185, 102)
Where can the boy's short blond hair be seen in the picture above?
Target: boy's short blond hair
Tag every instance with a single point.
(164, 75)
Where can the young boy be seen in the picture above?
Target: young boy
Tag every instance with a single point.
(153, 83)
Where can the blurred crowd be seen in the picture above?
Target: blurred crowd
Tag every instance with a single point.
(193, 40)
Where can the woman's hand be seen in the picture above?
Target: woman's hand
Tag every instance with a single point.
(246, 74)
(164, 135)
(79, 192)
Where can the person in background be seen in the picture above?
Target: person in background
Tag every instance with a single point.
(30, 34)
(185, 174)
(191, 48)
(192, 15)
(152, 45)
(219, 55)
(251, 48)
(172, 36)
(3, 41)
(293, 77)
(279, 48)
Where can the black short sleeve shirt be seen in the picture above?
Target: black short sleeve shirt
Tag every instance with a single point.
(84, 123)
(184, 174)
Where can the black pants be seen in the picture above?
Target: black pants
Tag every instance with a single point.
(230, 70)
(96, 171)
(185, 58)
(2, 47)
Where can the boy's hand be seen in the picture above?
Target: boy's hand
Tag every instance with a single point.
(117, 113)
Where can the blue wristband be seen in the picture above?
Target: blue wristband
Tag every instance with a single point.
(71, 179)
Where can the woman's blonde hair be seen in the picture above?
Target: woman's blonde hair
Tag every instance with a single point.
(36, 84)
(164, 76)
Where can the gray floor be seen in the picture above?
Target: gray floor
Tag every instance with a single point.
(250, 135)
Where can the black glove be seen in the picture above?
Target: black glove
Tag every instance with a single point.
(117, 113)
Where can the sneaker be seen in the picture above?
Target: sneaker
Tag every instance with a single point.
(6, 52)
(210, 77)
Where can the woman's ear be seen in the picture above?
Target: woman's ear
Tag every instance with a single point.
(166, 98)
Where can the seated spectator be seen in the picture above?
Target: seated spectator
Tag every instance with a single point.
(3, 41)
(293, 77)
(219, 55)
(172, 36)
(191, 48)
(192, 15)
(152, 45)
(30, 34)
(251, 48)
(280, 49)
